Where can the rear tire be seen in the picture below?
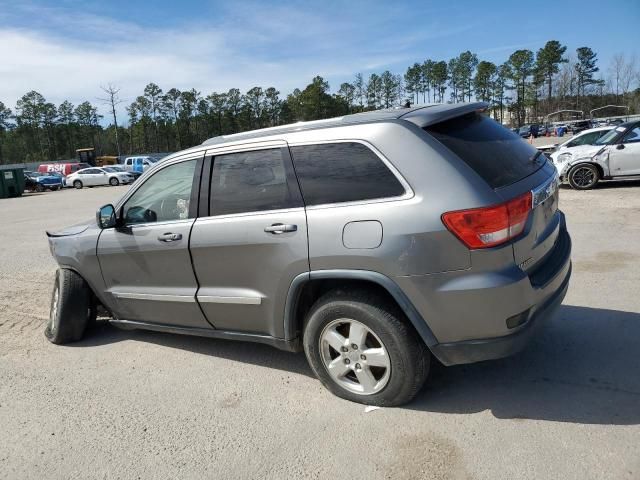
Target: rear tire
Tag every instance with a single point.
(113, 181)
(583, 176)
(375, 356)
(77, 184)
(70, 308)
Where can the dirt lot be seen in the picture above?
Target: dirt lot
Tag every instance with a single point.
(149, 405)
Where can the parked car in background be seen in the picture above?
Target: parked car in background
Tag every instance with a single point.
(528, 130)
(586, 137)
(138, 164)
(120, 168)
(615, 154)
(579, 126)
(63, 168)
(340, 238)
(39, 182)
(94, 176)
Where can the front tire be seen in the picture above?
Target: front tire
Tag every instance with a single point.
(113, 181)
(362, 349)
(39, 188)
(77, 184)
(70, 308)
(584, 176)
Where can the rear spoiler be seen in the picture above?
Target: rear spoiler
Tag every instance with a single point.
(423, 117)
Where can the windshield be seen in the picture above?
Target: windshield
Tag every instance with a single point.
(524, 129)
(608, 137)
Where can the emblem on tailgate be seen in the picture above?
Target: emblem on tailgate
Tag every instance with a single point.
(544, 191)
(526, 263)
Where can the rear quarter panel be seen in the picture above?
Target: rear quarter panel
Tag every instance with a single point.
(414, 239)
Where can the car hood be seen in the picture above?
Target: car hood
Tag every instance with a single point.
(72, 230)
(549, 146)
(579, 151)
(48, 178)
(582, 151)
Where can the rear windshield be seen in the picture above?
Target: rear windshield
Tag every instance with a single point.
(498, 155)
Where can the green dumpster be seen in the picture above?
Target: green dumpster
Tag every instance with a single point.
(11, 182)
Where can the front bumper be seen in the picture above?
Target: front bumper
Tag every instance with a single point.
(550, 284)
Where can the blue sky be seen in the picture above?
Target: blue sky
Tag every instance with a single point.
(67, 48)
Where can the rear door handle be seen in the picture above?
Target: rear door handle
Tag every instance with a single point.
(278, 228)
(170, 237)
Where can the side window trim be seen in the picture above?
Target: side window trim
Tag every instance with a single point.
(408, 190)
(194, 202)
(205, 187)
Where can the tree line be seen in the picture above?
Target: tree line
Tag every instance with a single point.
(527, 86)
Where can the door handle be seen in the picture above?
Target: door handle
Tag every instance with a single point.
(170, 237)
(278, 228)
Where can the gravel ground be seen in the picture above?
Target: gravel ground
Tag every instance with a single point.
(149, 405)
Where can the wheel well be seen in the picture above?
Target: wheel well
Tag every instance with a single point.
(94, 298)
(598, 167)
(314, 289)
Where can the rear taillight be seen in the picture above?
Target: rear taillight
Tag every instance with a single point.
(489, 226)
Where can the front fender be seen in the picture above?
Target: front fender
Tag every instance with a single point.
(77, 252)
(600, 159)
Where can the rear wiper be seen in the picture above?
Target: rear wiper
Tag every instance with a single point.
(535, 156)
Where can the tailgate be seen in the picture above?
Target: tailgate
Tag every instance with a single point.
(543, 226)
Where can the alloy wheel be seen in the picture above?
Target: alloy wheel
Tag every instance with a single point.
(584, 177)
(355, 357)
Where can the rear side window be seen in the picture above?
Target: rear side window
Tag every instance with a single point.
(252, 182)
(498, 155)
(342, 172)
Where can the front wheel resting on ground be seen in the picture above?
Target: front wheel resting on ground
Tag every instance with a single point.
(71, 308)
(584, 176)
(362, 349)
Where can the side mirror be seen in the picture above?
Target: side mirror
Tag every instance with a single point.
(106, 216)
(620, 146)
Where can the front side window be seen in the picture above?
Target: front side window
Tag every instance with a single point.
(165, 196)
(342, 172)
(252, 181)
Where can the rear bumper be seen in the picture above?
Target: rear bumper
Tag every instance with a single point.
(547, 285)
(471, 351)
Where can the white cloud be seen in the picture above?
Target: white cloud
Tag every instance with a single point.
(65, 54)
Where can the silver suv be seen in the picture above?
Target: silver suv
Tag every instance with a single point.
(374, 242)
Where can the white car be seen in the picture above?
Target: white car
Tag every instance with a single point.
(90, 177)
(615, 154)
(586, 137)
